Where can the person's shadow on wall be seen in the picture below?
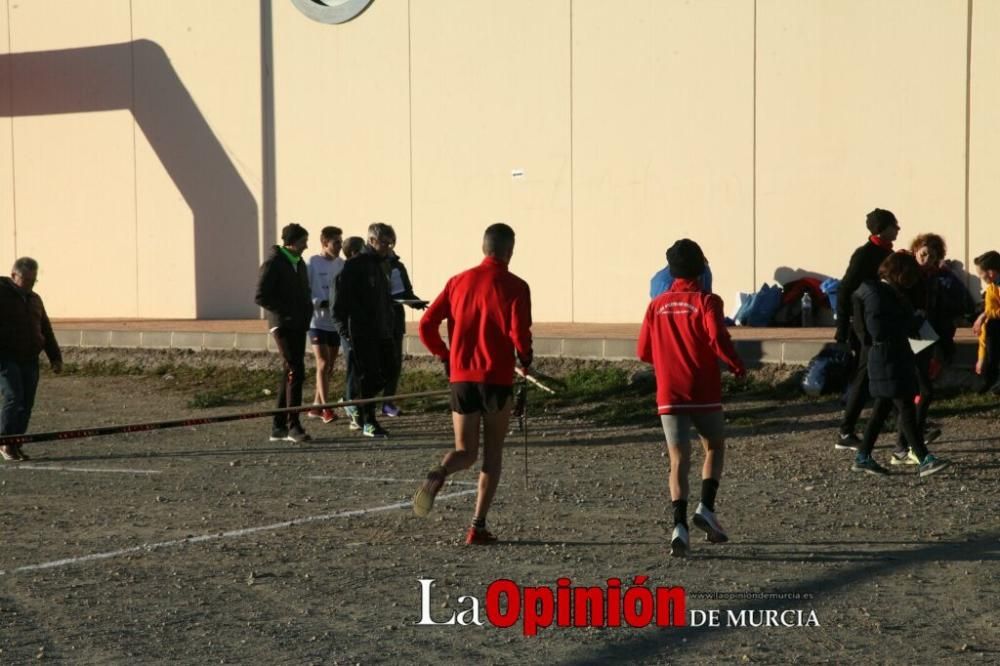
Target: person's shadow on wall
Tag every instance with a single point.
(138, 76)
(785, 274)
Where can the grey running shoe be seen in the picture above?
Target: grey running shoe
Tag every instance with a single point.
(297, 435)
(679, 542)
(706, 520)
(353, 416)
(863, 463)
(375, 431)
(904, 457)
(279, 434)
(848, 442)
(932, 465)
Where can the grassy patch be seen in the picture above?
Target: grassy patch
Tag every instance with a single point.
(208, 386)
(764, 385)
(102, 369)
(606, 395)
(952, 402)
(226, 385)
(602, 393)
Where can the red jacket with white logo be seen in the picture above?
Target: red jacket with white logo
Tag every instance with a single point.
(682, 335)
(488, 309)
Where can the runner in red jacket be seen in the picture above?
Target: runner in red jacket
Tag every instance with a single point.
(683, 335)
(488, 309)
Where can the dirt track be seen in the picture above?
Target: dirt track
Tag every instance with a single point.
(899, 570)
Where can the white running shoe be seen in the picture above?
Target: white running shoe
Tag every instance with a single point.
(706, 520)
(679, 542)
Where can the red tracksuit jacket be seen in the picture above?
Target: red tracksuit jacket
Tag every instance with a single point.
(682, 334)
(488, 309)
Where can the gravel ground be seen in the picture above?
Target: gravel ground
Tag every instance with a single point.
(176, 545)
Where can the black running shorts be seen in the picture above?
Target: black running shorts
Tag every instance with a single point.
(476, 398)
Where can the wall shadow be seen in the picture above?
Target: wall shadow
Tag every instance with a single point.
(138, 76)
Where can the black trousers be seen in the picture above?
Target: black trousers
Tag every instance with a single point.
(857, 394)
(371, 361)
(395, 369)
(350, 390)
(291, 343)
(906, 423)
(926, 388)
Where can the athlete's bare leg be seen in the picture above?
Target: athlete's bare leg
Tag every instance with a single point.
(715, 455)
(494, 432)
(680, 467)
(466, 442)
(325, 355)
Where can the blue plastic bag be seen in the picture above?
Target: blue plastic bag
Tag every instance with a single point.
(830, 286)
(827, 372)
(762, 306)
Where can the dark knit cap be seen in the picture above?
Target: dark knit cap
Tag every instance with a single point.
(686, 260)
(879, 220)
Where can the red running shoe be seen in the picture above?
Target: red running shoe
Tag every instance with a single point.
(479, 537)
(328, 416)
(314, 414)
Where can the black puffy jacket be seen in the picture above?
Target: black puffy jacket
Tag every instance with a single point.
(885, 318)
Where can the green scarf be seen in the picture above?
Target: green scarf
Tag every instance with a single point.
(295, 259)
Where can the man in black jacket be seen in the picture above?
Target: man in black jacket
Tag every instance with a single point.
(283, 291)
(863, 266)
(24, 332)
(401, 289)
(364, 317)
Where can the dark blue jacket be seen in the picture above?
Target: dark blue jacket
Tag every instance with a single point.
(884, 318)
(663, 279)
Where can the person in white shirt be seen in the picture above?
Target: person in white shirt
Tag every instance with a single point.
(323, 271)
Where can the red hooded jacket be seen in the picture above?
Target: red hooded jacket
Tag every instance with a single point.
(488, 309)
(682, 335)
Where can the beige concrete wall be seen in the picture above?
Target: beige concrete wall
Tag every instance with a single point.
(136, 138)
(764, 130)
(662, 146)
(74, 171)
(984, 158)
(491, 96)
(342, 122)
(860, 104)
(7, 236)
(194, 227)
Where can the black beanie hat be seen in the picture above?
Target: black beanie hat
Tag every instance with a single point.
(879, 220)
(686, 260)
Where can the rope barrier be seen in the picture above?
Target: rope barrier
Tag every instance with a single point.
(60, 435)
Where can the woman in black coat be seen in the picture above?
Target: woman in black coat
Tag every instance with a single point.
(944, 299)
(885, 319)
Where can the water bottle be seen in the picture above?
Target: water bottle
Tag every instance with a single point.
(807, 310)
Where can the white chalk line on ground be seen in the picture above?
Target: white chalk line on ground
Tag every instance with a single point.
(57, 468)
(388, 480)
(145, 548)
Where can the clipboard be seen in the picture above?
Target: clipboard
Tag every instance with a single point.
(927, 337)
